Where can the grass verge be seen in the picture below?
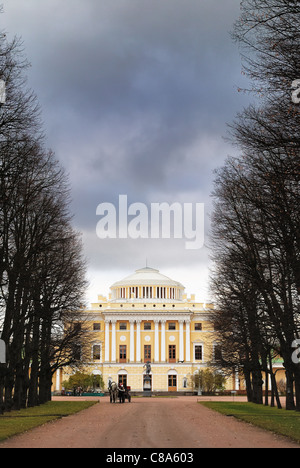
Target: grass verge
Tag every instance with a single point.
(16, 422)
(281, 422)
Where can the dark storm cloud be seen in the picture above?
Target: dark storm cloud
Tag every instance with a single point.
(135, 97)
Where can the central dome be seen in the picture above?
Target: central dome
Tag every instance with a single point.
(147, 276)
(147, 283)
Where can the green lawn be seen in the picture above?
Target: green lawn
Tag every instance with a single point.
(286, 423)
(16, 422)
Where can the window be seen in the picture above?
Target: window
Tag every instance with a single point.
(217, 352)
(147, 353)
(123, 326)
(96, 352)
(172, 326)
(172, 353)
(76, 326)
(147, 326)
(76, 352)
(97, 326)
(198, 326)
(123, 353)
(198, 353)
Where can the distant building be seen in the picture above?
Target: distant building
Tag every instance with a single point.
(148, 317)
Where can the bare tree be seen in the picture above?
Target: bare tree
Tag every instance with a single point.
(257, 211)
(42, 270)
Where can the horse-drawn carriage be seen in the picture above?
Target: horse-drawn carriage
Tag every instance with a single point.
(118, 392)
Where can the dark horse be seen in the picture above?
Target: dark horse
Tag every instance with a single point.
(122, 393)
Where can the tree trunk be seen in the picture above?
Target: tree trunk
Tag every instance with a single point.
(257, 384)
(290, 403)
(297, 386)
(249, 388)
(274, 386)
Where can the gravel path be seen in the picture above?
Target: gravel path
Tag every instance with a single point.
(148, 423)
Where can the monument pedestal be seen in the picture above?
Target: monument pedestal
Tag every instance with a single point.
(147, 386)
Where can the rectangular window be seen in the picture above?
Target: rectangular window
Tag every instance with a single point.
(147, 326)
(172, 326)
(198, 326)
(198, 353)
(77, 352)
(96, 326)
(172, 353)
(122, 353)
(147, 353)
(217, 353)
(76, 326)
(123, 326)
(96, 352)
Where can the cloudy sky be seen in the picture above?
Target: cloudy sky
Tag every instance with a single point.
(135, 98)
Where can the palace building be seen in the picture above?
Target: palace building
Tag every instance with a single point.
(148, 317)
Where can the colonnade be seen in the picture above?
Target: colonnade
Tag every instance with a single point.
(147, 292)
(135, 348)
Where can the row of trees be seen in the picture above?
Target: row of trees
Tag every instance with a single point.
(256, 219)
(42, 271)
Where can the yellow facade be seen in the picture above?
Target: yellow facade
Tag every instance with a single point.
(147, 317)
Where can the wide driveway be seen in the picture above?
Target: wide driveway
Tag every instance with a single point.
(148, 423)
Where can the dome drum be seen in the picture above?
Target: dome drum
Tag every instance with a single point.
(147, 284)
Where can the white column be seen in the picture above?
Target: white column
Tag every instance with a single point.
(237, 382)
(269, 377)
(181, 354)
(188, 342)
(138, 341)
(106, 341)
(113, 342)
(163, 341)
(131, 341)
(156, 342)
(57, 386)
